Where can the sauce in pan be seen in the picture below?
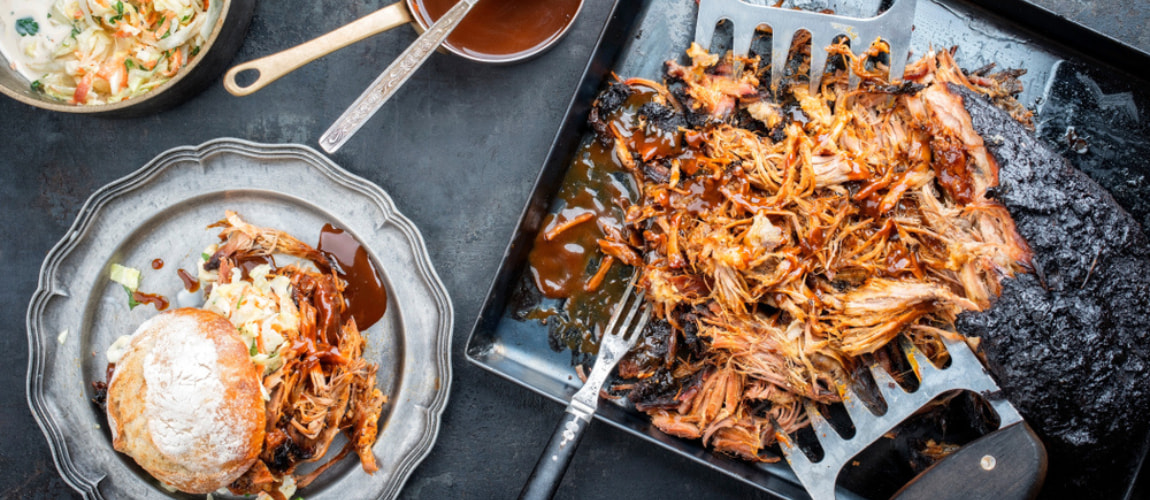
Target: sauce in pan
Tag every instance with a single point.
(504, 29)
(565, 257)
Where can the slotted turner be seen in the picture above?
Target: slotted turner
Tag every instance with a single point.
(894, 26)
(1009, 463)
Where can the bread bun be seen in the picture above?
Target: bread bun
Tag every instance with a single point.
(185, 401)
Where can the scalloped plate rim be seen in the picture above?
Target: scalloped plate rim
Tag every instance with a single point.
(139, 178)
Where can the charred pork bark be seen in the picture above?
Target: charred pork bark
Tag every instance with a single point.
(607, 102)
(1069, 343)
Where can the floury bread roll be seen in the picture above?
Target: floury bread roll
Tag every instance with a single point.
(185, 401)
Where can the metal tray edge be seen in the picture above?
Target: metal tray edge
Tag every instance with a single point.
(1070, 36)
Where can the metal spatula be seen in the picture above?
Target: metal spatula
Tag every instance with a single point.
(1009, 463)
(894, 26)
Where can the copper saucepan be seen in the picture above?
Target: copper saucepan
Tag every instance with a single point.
(271, 68)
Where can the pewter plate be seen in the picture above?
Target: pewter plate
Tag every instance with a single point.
(161, 211)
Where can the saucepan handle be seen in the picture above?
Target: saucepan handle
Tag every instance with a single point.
(271, 68)
(1007, 464)
(552, 464)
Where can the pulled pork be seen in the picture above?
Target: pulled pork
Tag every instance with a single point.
(324, 386)
(784, 241)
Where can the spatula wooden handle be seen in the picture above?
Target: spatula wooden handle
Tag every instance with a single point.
(271, 68)
(1007, 464)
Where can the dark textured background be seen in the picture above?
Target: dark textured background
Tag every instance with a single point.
(457, 149)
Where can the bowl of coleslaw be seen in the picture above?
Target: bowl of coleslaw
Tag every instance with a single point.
(116, 57)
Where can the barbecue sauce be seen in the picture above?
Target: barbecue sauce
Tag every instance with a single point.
(560, 266)
(248, 262)
(562, 263)
(158, 301)
(503, 29)
(191, 283)
(365, 294)
(157, 264)
(563, 266)
(596, 184)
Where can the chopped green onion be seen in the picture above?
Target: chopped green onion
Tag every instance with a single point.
(131, 298)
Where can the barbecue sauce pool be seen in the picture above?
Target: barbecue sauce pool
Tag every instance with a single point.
(365, 294)
(595, 184)
(503, 29)
(561, 267)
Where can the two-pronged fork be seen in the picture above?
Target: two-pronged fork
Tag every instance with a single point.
(624, 328)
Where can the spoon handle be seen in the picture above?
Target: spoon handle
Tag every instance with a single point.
(271, 68)
(392, 78)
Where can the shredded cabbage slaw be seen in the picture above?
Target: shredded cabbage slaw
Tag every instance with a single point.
(261, 309)
(118, 49)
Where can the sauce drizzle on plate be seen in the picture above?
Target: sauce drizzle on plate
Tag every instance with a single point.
(365, 294)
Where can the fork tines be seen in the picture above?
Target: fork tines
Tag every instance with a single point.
(894, 25)
(628, 331)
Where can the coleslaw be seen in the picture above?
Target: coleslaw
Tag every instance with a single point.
(104, 51)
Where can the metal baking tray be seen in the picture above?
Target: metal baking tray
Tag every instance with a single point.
(1076, 77)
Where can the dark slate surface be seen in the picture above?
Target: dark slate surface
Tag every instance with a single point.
(457, 149)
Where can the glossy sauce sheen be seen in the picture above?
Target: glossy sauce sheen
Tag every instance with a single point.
(248, 262)
(191, 284)
(157, 263)
(158, 301)
(598, 184)
(560, 266)
(504, 29)
(365, 295)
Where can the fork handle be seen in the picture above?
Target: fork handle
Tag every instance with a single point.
(1007, 464)
(552, 464)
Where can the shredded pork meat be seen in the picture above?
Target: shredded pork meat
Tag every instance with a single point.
(324, 386)
(787, 240)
